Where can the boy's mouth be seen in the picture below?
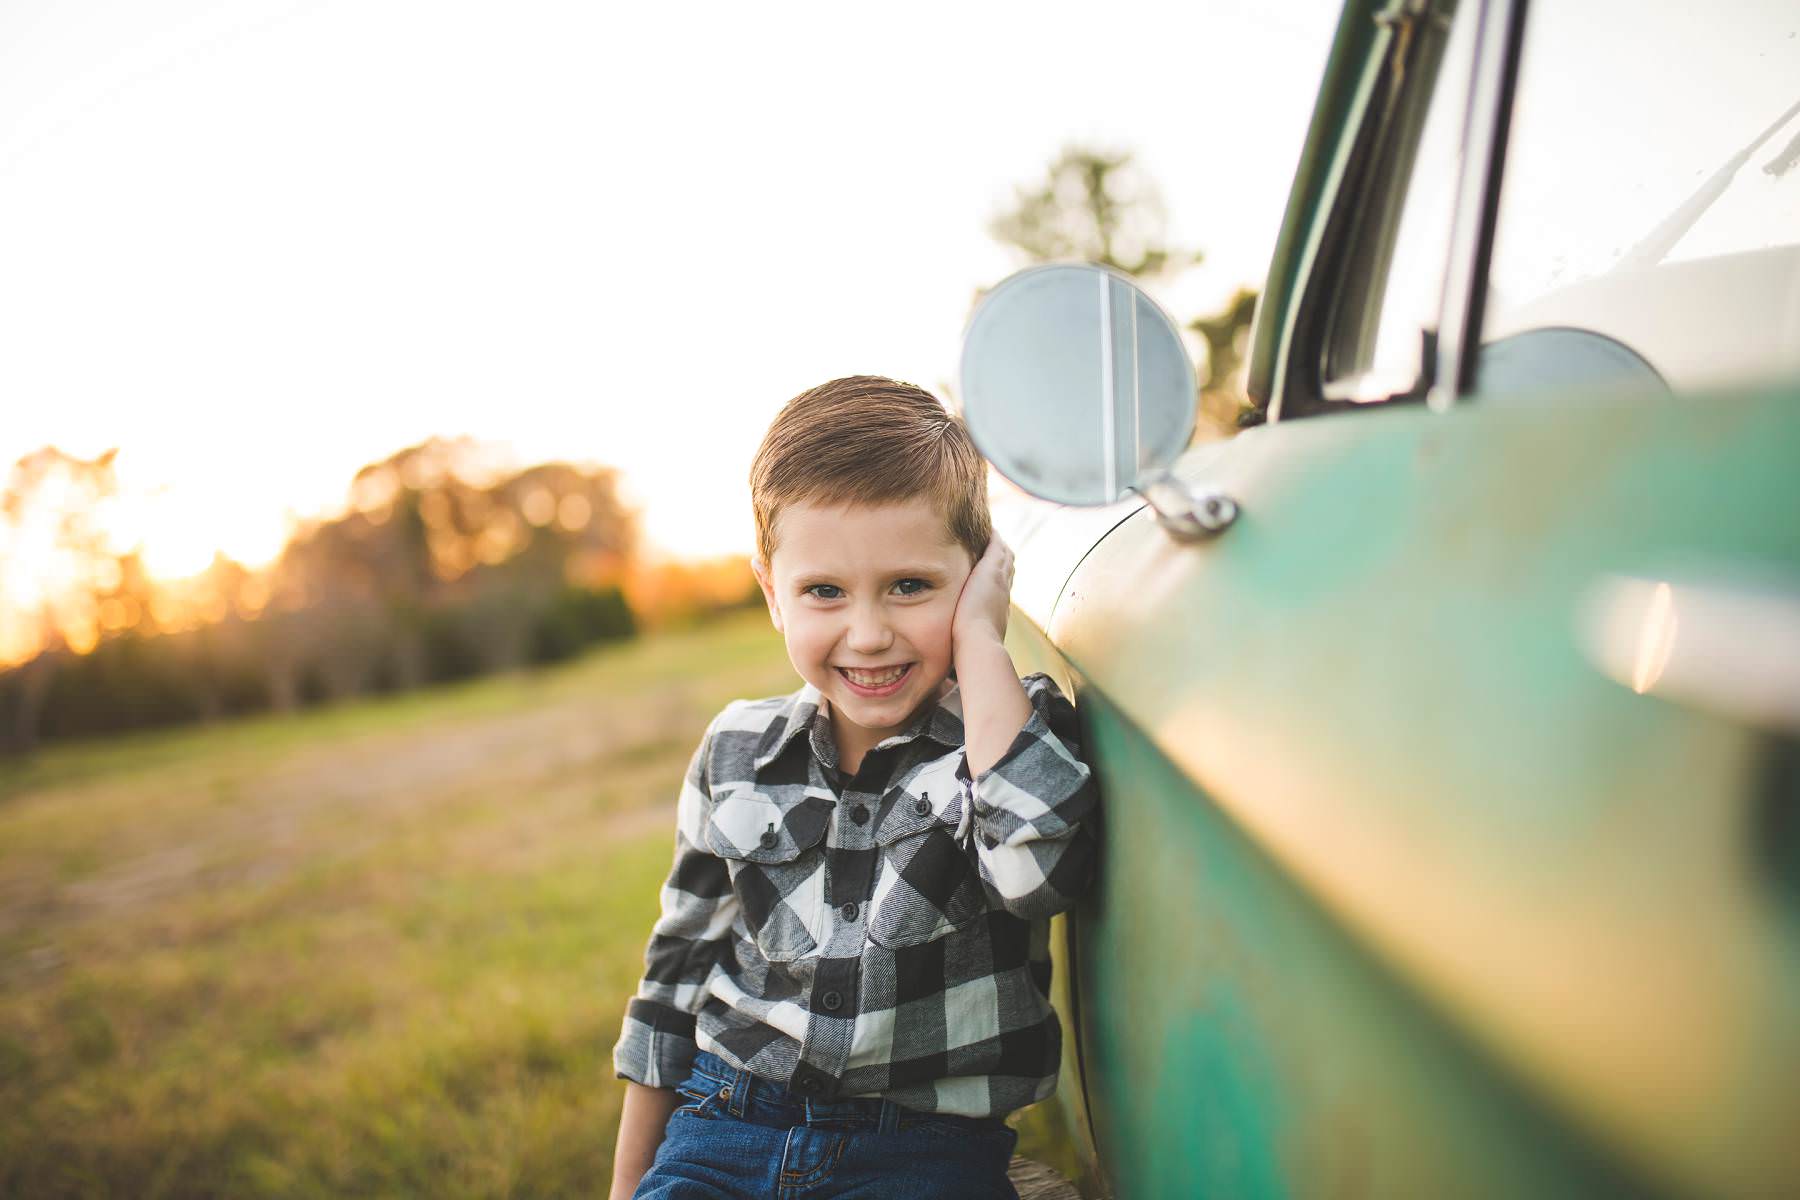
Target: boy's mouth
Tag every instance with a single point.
(883, 682)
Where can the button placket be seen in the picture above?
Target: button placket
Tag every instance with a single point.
(826, 1048)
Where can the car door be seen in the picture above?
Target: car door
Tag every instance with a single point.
(1452, 793)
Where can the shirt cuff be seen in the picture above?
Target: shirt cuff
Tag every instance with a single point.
(656, 1047)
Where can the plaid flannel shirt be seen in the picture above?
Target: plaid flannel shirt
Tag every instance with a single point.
(884, 934)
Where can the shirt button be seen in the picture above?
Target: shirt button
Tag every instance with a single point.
(860, 814)
(922, 806)
(769, 839)
(831, 1002)
(849, 911)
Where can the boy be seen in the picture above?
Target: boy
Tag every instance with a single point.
(847, 989)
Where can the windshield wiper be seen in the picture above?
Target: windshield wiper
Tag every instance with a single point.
(1674, 227)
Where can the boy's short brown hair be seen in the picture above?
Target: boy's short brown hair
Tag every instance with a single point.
(868, 440)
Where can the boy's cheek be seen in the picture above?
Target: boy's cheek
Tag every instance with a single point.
(943, 640)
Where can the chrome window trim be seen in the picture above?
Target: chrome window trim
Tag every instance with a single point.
(1486, 125)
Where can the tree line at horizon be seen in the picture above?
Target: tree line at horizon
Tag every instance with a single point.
(442, 567)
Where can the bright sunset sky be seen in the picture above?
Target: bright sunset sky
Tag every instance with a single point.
(258, 243)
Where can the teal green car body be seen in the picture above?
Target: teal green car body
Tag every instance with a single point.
(1404, 892)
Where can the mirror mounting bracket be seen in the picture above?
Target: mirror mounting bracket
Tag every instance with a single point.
(1186, 516)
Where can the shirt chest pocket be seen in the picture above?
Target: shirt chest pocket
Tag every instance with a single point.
(927, 883)
(770, 844)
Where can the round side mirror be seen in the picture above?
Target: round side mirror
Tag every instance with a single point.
(1075, 384)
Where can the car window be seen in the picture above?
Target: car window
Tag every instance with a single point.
(1406, 299)
(1649, 217)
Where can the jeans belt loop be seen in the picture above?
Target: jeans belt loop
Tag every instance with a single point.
(890, 1118)
(741, 1083)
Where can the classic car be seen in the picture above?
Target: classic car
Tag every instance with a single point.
(1448, 717)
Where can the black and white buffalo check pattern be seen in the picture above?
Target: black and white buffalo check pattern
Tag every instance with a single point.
(877, 935)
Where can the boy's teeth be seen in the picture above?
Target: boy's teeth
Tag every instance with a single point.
(874, 678)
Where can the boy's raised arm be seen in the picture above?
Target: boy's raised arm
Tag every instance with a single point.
(994, 703)
(1033, 843)
(1031, 791)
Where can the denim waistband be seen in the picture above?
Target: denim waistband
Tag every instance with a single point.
(766, 1102)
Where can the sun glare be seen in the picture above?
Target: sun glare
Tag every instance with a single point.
(177, 555)
(57, 583)
(178, 535)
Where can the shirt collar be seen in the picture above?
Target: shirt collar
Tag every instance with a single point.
(804, 712)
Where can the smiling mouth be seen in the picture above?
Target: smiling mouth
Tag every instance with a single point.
(882, 682)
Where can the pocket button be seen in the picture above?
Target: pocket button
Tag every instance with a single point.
(922, 806)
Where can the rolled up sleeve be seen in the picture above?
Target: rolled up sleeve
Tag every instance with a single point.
(656, 1046)
(1031, 812)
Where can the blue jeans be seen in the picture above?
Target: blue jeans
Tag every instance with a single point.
(740, 1136)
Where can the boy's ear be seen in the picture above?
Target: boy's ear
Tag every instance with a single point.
(761, 571)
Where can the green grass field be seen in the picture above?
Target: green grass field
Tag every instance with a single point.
(380, 949)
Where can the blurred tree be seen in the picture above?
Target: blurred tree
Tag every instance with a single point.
(1093, 206)
(1224, 333)
(680, 594)
(1223, 401)
(57, 562)
(446, 564)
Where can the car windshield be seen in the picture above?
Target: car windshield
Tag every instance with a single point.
(1652, 193)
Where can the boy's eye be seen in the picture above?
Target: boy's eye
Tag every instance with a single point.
(910, 587)
(824, 591)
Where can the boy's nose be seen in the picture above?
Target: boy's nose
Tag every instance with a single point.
(868, 634)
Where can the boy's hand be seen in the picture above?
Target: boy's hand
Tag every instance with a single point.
(995, 706)
(986, 597)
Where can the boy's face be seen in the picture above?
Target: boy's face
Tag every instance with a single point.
(864, 596)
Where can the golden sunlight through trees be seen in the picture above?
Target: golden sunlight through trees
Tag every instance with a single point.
(446, 561)
(60, 563)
